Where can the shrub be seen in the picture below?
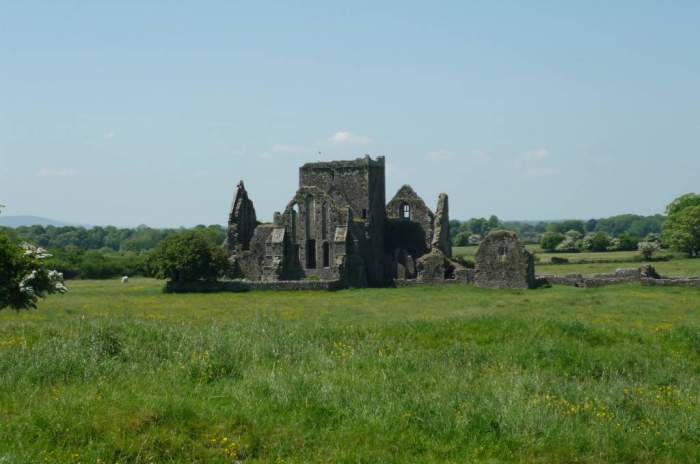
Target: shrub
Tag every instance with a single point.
(558, 260)
(461, 239)
(572, 242)
(614, 245)
(628, 242)
(550, 240)
(596, 242)
(647, 249)
(188, 257)
(24, 277)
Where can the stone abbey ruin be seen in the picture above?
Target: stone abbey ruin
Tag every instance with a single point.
(338, 231)
(339, 228)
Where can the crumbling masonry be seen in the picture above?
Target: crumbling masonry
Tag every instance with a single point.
(338, 227)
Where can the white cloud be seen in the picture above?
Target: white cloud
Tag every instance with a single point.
(110, 134)
(57, 172)
(440, 155)
(537, 154)
(347, 137)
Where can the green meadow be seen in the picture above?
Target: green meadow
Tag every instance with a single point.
(123, 373)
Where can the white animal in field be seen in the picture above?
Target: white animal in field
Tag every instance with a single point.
(125, 279)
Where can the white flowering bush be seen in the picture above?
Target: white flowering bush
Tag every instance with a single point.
(23, 276)
(647, 249)
(572, 242)
(614, 244)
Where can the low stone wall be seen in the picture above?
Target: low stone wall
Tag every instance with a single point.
(403, 283)
(620, 276)
(671, 282)
(246, 286)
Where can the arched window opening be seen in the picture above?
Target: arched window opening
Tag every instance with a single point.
(324, 221)
(295, 220)
(311, 254)
(308, 216)
(326, 255)
(406, 211)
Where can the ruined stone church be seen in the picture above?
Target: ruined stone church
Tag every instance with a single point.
(338, 227)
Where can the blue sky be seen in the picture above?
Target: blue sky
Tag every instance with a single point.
(143, 112)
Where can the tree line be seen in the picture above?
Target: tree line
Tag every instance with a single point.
(625, 230)
(106, 239)
(102, 252)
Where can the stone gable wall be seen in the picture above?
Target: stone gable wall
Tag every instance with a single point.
(503, 262)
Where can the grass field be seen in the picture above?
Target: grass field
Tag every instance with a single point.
(675, 267)
(123, 373)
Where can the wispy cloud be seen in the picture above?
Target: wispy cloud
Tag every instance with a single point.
(57, 172)
(347, 137)
(110, 134)
(538, 154)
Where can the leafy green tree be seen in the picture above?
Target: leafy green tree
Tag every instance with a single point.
(461, 239)
(565, 226)
(682, 202)
(596, 242)
(188, 257)
(628, 242)
(493, 223)
(682, 228)
(550, 240)
(591, 225)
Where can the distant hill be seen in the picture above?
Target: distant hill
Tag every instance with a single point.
(18, 221)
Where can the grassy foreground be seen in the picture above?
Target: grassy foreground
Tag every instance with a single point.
(122, 373)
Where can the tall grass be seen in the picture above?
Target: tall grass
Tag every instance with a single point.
(112, 373)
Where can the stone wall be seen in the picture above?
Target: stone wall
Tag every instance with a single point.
(359, 185)
(503, 262)
(406, 205)
(241, 221)
(621, 276)
(671, 282)
(441, 227)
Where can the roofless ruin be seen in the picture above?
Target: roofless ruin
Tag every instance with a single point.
(339, 227)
